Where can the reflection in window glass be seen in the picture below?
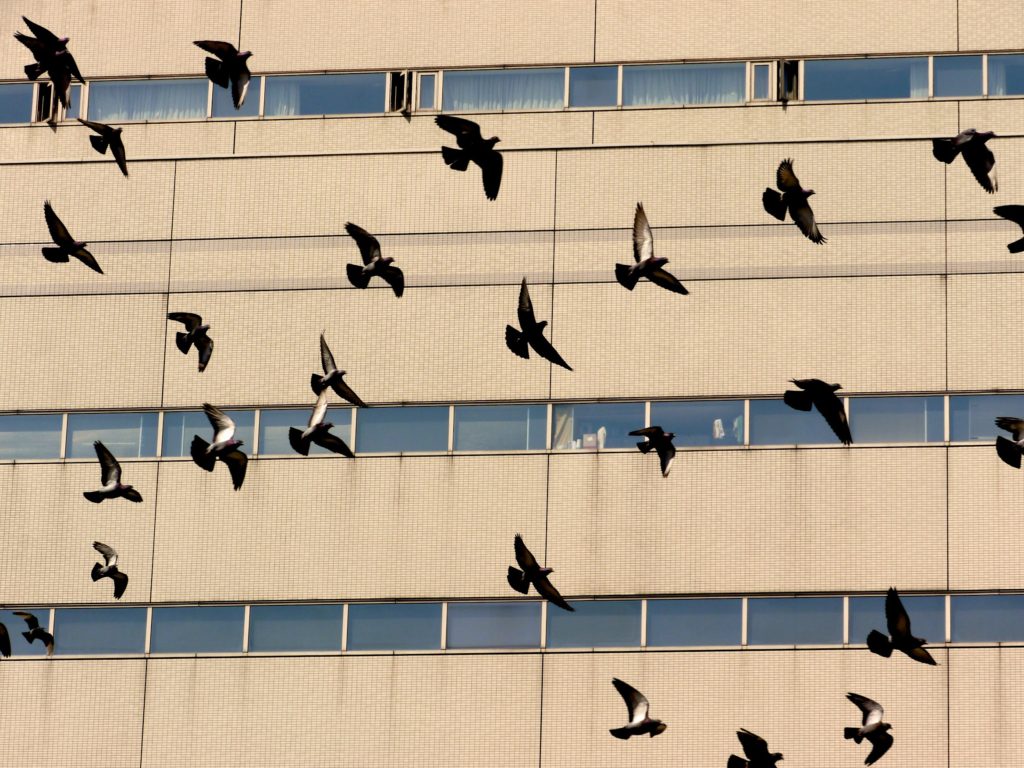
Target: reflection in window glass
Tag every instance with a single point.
(897, 419)
(593, 86)
(500, 427)
(402, 430)
(274, 426)
(540, 88)
(74, 109)
(762, 87)
(30, 436)
(99, 630)
(927, 616)
(595, 624)
(972, 417)
(957, 75)
(986, 618)
(772, 422)
(593, 426)
(1006, 74)
(181, 426)
(494, 625)
(16, 103)
(224, 106)
(16, 625)
(394, 626)
(684, 84)
(295, 628)
(707, 422)
(197, 629)
(695, 622)
(885, 78)
(795, 620)
(114, 101)
(126, 435)
(325, 94)
(427, 91)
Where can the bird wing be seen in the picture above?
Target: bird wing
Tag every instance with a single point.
(120, 583)
(88, 259)
(803, 217)
(5, 641)
(240, 87)
(785, 179)
(896, 617)
(460, 127)
(544, 348)
(237, 463)
(666, 454)
(394, 277)
(72, 66)
(205, 346)
(636, 702)
(774, 204)
(333, 443)
(223, 426)
(547, 590)
(524, 556)
(525, 311)
(101, 128)
(871, 709)
(319, 410)
(117, 150)
(220, 49)
(831, 407)
(58, 231)
(38, 48)
(945, 150)
(1011, 424)
(666, 280)
(43, 34)
(326, 358)
(32, 621)
(369, 247)
(492, 164)
(649, 432)
(345, 392)
(111, 470)
(881, 741)
(1014, 213)
(643, 240)
(190, 320)
(981, 161)
(754, 747)
(108, 552)
(920, 654)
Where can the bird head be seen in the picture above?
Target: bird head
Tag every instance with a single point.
(670, 435)
(985, 135)
(244, 55)
(886, 726)
(776, 756)
(660, 728)
(387, 259)
(326, 425)
(546, 571)
(835, 387)
(807, 192)
(492, 141)
(236, 443)
(542, 325)
(80, 244)
(64, 41)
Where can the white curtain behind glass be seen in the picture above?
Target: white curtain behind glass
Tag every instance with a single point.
(504, 89)
(684, 84)
(147, 100)
(919, 78)
(283, 96)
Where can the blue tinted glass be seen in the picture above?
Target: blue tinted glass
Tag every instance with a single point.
(927, 616)
(772, 422)
(197, 629)
(707, 422)
(684, 84)
(181, 426)
(503, 89)
(99, 630)
(957, 75)
(494, 625)
(114, 101)
(595, 624)
(762, 88)
(74, 103)
(274, 426)
(325, 94)
(1006, 74)
(397, 430)
(295, 628)
(592, 426)
(30, 437)
(593, 86)
(886, 78)
(394, 626)
(500, 427)
(126, 435)
(972, 417)
(16, 103)
(795, 620)
(695, 622)
(16, 625)
(986, 618)
(897, 419)
(427, 91)
(223, 106)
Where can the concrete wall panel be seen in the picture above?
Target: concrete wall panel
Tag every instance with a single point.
(988, 26)
(986, 704)
(983, 338)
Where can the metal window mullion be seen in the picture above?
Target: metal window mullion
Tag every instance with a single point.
(945, 419)
(149, 628)
(550, 418)
(846, 619)
(565, 91)
(263, 95)
(352, 428)
(438, 89)
(743, 621)
(746, 421)
(618, 91)
(209, 99)
(83, 100)
(643, 623)
(800, 80)
(344, 627)
(62, 454)
(647, 413)
(33, 106)
(544, 625)
(984, 74)
(245, 628)
(53, 618)
(255, 431)
(949, 618)
(451, 428)
(931, 77)
(444, 626)
(159, 434)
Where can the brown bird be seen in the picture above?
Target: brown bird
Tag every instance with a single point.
(374, 264)
(232, 71)
(532, 334)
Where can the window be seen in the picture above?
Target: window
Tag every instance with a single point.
(428, 82)
(494, 89)
(400, 92)
(594, 426)
(694, 622)
(795, 621)
(16, 625)
(325, 94)
(181, 426)
(494, 625)
(500, 427)
(986, 618)
(224, 105)
(45, 110)
(295, 628)
(127, 435)
(972, 417)
(789, 80)
(99, 630)
(957, 75)
(1006, 74)
(593, 86)
(684, 84)
(761, 82)
(402, 430)
(772, 422)
(595, 624)
(114, 101)
(74, 109)
(708, 422)
(274, 426)
(197, 629)
(16, 103)
(30, 436)
(394, 626)
(927, 617)
(897, 419)
(884, 78)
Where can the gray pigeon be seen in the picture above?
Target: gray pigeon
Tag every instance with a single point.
(872, 728)
(332, 377)
(532, 333)
(318, 431)
(532, 573)
(110, 476)
(195, 334)
(232, 69)
(979, 158)
(1014, 213)
(756, 750)
(638, 707)
(900, 637)
(822, 396)
(473, 147)
(108, 137)
(36, 632)
(52, 56)
(793, 199)
(109, 569)
(223, 447)
(373, 263)
(647, 265)
(67, 246)
(658, 440)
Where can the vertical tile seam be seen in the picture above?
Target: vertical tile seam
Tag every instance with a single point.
(241, 5)
(554, 241)
(167, 293)
(595, 33)
(142, 725)
(540, 716)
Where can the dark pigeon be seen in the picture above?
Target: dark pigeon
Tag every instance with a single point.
(1010, 450)
(532, 573)
(67, 246)
(658, 440)
(793, 199)
(647, 265)
(638, 707)
(473, 147)
(109, 569)
(532, 333)
(110, 476)
(318, 431)
(5, 641)
(822, 396)
(373, 262)
(51, 55)
(195, 333)
(332, 377)
(223, 446)
(872, 728)
(232, 69)
(979, 158)
(900, 637)
(36, 632)
(756, 750)
(1014, 213)
(108, 137)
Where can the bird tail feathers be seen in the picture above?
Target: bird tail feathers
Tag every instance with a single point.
(300, 445)
(852, 733)
(736, 762)
(773, 204)
(457, 159)
(199, 455)
(879, 643)
(33, 71)
(96, 575)
(356, 276)
(1016, 246)
(1008, 451)
(645, 446)
(94, 496)
(56, 255)
(516, 341)
(99, 144)
(621, 733)
(801, 401)
(316, 381)
(216, 71)
(182, 342)
(626, 276)
(944, 150)
(28, 635)
(517, 580)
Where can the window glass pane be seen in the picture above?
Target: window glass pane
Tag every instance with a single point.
(762, 89)
(595, 624)
(30, 437)
(181, 426)
(113, 101)
(886, 78)
(16, 625)
(197, 629)
(99, 630)
(986, 618)
(325, 94)
(127, 435)
(707, 422)
(397, 430)
(274, 426)
(772, 422)
(224, 106)
(394, 626)
(927, 616)
(427, 91)
(295, 628)
(494, 625)
(972, 417)
(795, 620)
(500, 427)
(503, 89)
(897, 419)
(1006, 74)
(593, 86)
(593, 426)
(684, 84)
(74, 103)
(957, 75)
(16, 103)
(694, 622)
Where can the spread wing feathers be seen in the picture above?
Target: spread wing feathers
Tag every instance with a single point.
(99, 143)
(199, 455)
(774, 204)
(547, 590)
(803, 217)
(524, 556)
(87, 258)
(220, 49)
(516, 341)
(492, 164)
(5, 641)
(920, 654)
(61, 79)
(456, 159)
(223, 426)
(190, 320)
(394, 277)
(945, 150)
(58, 231)
(30, 620)
(648, 432)
(881, 741)
(896, 616)
(544, 348)
(834, 413)
(517, 580)
(71, 68)
(1011, 424)
(120, 583)
(871, 710)
(300, 445)
(981, 161)
(108, 552)
(319, 409)
(43, 34)
(643, 240)
(333, 443)
(102, 129)
(1008, 451)
(754, 747)
(237, 463)
(356, 276)
(666, 455)
(39, 51)
(460, 127)
(205, 346)
(117, 150)
(786, 180)
(326, 358)
(736, 762)
(369, 247)
(636, 702)
(879, 643)
(132, 495)
(217, 72)
(525, 310)
(344, 391)
(801, 401)
(627, 276)
(1014, 213)
(111, 470)
(239, 88)
(667, 280)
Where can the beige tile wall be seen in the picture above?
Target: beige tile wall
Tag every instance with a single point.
(983, 342)
(985, 706)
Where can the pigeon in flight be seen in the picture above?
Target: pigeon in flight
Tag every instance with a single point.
(374, 263)
(756, 750)
(195, 333)
(332, 377)
(532, 334)
(67, 246)
(1010, 450)
(472, 147)
(532, 573)
(109, 569)
(1014, 213)
(231, 71)
(52, 55)
(979, 158)
(110, 476)
(822, 396)
(646, 264)
(872, 728)
(5, 641)
(223, 447)
(318, 431)
(36, 632)
(108, 137)
(900, 638)
(637, 706)
(794, 199)
(658, 440)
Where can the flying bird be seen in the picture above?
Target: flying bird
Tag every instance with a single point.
(223, 446)
(1010, 450)
(472, 147)
(232, 69)
(900, 637)
(756, 750)
(67, 246)
(5, 641)
(195, 333)
(109, 569)
(872, 728)
(1014, 213)
(647, 265)
(822, 396)
(979, 158)
(638, 707)
(108, 137)
(532, 333)
(532, 573)
(110, 476)
(658, 440)
(51, 55)
(373, 262)
(36, 632)
(793, 199)
(332, 377)
(318, 431)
